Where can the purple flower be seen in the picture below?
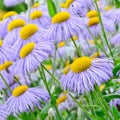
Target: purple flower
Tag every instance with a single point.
(116, 40)
(85, 73)
(24, 98)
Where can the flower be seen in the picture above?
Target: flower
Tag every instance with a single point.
(13, 31)
(31, 55)
(116, 40)
(64, 26)
(10, 3)
(86, 72)
(7, 18)
(24, 98)
(28, 33)
(38, 17)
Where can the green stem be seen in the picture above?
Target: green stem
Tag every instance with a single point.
(83, 108)
(5, 83)
(52, 98)
(104, 33)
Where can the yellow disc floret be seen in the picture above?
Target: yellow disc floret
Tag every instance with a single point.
(60, 17)
(28, 30)
(48, 67)
(36, 5)
(9, 14)
(68, 3)
(66, 69)
(15, 24)
(62, 5)
(36, 14)
(61, 44)
(5, 65)
(61, 99)
(1, 43)
(107, 8)
(102, 87)
(92, 13)
(27, 49)
(93, 21)
(18, 91)
(81, 64)
(75, 38)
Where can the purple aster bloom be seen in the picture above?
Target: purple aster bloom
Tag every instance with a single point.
(3, 112)
(7, 18)
(116, 40)
(85, 73)
(65, 102)
(10, 3)
(28, 33)
(38, 17)
(31, 55)
(95, 27)
(64, 26)
(13, 28)
(113, 15)
(24, 98)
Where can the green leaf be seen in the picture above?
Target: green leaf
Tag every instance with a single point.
(117, 3)
(111, 96)
(115, 113)
(116, 69)
(51, 8)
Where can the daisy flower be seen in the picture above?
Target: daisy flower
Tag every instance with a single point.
(38, 17)
(13, 31)
(7, 18)
(31, 55)
(116, 40)
(10, 3)
(24, 98)
(85, 72)
(64, 26)
(28, 33)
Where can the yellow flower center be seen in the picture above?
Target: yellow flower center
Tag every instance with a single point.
(92, 13)
(68, 2)
(92, 42)
(107, 8)
(48, 67)
(102, 87)
(93, 21)
(5, 65)
(61, 44)
(95, 55)
(9, 14)
(75, 38)
(66, 69)
(81, 64)
(15, 24)
(36, 14)
(60, 17)
(36, 5)
(19, 90)
(27, 49)
(61, 99)
(28, 30)
(1, 43)
(62, 5)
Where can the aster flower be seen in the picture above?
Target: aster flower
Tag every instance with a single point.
(85, 73)
(13, 31)
(38, 17)
(78, 7)
(94, 25)
(10, 3)
(7, 18)
(3, 113)
(116, 40)
(64, 102)
(28, 33)
(31, 55)
(64, 26)
(24, 98)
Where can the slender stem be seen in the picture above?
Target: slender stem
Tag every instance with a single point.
(104, 33)
(56, 80)
(52, 98)
(5, 82)
(77, 49)
(5, 93)
(16, 80)
(83, 108)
